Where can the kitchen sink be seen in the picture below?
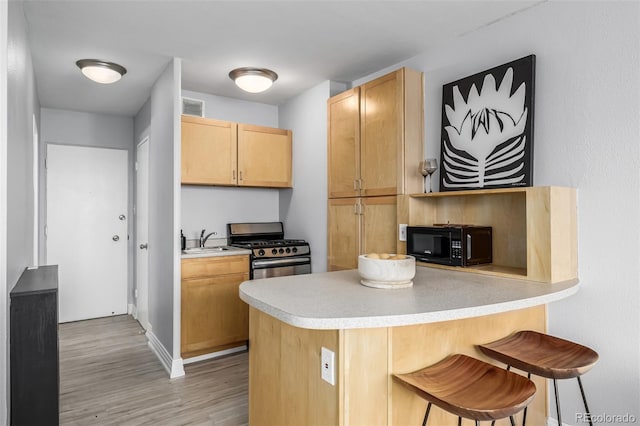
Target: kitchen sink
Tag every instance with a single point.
(198, 250)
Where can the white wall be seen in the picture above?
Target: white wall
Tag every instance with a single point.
(94, 130)
(4, 291)
(211, 208)
(229, 109)
(22, 105)
(304, 208)
(18, 96)
(164, 202)
(587, 125)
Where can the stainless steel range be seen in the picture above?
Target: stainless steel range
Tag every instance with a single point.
(271, 254)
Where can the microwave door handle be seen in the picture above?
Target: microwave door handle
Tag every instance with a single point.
(468, 246)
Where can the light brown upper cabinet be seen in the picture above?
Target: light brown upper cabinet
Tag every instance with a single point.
(343, 115)
(264, 156)
(375, 137)
(218, 152)
(209, 151)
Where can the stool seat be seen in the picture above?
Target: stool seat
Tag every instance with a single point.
(471, 388)
(542, 354)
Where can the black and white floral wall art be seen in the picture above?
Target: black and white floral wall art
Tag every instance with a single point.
(487, 128)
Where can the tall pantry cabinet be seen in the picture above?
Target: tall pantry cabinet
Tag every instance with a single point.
(375, 142)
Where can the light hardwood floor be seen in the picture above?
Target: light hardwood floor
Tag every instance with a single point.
(109, 376)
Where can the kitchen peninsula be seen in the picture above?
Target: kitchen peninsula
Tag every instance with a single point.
(375, 333)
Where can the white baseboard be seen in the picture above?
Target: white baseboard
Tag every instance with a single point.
(214, 355)
(173, 366)
(553, 422)
(131, 310)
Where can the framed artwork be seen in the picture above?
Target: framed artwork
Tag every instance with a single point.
(487, 128)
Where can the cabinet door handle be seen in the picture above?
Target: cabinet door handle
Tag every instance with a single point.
(240, 174)
(234, 175)
(355, 184)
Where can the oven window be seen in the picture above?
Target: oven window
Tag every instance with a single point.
(432, 245)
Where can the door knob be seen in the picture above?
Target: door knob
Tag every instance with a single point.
(143, 246)
(115, 238)
(122, 217)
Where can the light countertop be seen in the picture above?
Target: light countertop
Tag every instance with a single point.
(337, 300)
(229, 251)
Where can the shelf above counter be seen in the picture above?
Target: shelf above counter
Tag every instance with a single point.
(473, 192)
(487, 269)
(534, 228)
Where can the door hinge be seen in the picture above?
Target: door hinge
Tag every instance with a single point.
(45, 163)
(46, 230)
(135, 165)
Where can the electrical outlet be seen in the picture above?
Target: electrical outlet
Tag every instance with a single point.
(402, 232)
(327, 367)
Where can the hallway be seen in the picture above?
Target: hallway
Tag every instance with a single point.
(110, 376)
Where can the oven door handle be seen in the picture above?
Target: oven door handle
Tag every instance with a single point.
(280, 262)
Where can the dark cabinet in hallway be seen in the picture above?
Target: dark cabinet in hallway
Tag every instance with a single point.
(34, 348)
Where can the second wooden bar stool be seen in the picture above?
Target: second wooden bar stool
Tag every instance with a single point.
(545, 356)
(470, 388)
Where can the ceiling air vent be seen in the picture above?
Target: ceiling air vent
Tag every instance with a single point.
(193, 107)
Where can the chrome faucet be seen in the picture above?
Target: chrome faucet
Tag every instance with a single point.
(203, 238)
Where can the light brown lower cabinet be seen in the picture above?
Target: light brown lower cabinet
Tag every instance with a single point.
(286, 389)
(360, 225)
(213, 316)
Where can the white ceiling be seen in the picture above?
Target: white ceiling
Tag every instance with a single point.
(305, 42)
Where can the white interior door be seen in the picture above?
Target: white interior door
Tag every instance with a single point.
(87, 229)
(142, 233)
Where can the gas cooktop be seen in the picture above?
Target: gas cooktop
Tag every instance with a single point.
(265, 240)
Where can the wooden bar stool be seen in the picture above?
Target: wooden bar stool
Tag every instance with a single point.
(546, 356)
(470, 388)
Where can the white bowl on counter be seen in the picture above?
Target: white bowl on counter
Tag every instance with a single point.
(387, 273)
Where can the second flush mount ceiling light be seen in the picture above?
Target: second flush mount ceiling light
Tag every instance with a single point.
(101, 71)
(253, 80)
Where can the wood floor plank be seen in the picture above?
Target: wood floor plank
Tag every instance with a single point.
(109, 376)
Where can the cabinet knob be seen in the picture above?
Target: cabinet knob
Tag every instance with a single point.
(115, 238)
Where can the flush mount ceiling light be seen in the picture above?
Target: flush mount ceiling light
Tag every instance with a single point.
(101, 71)
(253, 80)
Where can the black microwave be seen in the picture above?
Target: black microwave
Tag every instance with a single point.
(455, 245)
